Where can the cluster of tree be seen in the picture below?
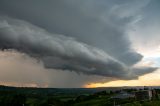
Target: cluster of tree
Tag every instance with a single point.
(13, 100)
(17, 97)
(10, 96)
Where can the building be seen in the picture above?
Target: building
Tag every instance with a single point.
(144, 94)
(120, 96)
(123, 95)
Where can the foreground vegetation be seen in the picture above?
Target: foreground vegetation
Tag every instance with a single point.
(10, 96)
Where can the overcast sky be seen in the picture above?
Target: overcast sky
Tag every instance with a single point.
(73, 43)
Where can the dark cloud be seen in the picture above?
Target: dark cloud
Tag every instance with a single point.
(97, 23)
(85, 36)
(60, 52)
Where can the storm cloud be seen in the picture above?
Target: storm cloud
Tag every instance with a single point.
(97, 23)
(58, 51)
(85, 36)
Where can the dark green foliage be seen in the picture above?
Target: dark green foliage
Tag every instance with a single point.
(11, 96)
(13, 100)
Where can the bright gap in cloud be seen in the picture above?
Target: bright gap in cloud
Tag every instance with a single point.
(152, 79)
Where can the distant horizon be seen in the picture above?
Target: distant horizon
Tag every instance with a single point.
(80, 87)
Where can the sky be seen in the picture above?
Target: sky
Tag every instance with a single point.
(82, 43)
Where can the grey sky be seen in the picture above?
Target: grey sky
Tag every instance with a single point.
(85, 36)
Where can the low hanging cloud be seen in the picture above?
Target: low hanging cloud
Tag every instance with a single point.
(18, 69)
(61, 52)
(88, 37)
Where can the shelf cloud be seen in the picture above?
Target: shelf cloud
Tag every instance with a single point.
(61, 52)
(84, 36)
